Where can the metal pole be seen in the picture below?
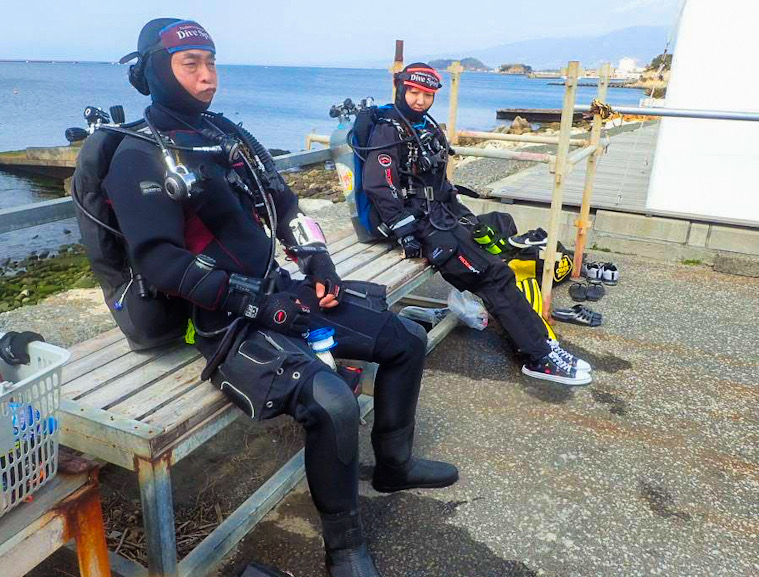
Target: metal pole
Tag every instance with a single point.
(526, 138)
(583, 223)
(397, 63)
(681, 113)
(579, 155)
(502, 154)
(562, 169)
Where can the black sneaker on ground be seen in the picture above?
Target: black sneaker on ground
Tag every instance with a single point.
(537, 237)
(553, 368)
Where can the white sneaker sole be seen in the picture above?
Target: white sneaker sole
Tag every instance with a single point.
(581, 379)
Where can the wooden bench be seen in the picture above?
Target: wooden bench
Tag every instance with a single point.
(145, 411)
(67, 508)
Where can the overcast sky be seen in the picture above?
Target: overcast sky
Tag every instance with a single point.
(301, 32)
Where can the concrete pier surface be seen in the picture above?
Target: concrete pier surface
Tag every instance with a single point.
(651, 470)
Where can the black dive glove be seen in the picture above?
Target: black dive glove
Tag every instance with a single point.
(278, 311)
(14, 347)
(283, 313)
(322, 269)
(412, 248)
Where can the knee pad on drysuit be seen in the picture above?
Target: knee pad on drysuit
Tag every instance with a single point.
(400, 338)
(327, 403)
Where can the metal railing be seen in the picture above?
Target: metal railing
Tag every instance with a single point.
(35, 214)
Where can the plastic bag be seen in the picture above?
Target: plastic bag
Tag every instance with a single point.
(468, 309)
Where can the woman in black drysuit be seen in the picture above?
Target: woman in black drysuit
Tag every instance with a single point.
(213, 251)
(404, 177)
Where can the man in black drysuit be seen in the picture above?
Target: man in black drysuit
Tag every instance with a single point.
(212, 250)
(404, 177)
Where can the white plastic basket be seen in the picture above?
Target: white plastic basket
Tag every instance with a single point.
(29, 400)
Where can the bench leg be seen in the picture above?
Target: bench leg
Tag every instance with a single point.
(158, 517)
(91, 548)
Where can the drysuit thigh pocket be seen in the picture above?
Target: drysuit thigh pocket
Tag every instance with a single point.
(247, 374)
(460, 264)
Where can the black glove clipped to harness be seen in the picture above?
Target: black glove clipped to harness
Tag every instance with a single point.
(278, 311)
(14, 347)
(412, 248)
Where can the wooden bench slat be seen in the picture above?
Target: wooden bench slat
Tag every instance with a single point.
(349, 252)
(371, 270)
(123, 386)
(343, 239)
(339, 251)
(160, 393)
(361, 259)
(187, 411)
(83, 349)
(101, 376)
(107, 354)
(402, 273)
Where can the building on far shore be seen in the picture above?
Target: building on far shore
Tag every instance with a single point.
(627, 69)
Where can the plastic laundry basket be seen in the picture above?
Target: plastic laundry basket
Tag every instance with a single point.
(29, 399)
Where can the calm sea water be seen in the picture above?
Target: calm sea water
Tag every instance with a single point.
(279, 105)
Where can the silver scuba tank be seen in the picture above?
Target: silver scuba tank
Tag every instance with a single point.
(344, 160)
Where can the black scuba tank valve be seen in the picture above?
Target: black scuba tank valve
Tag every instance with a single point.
(94, 115)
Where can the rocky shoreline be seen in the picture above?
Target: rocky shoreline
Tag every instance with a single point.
(35, 278)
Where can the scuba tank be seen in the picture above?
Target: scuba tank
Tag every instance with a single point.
(350, 165)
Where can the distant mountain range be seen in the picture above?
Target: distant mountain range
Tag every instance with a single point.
(639, 42)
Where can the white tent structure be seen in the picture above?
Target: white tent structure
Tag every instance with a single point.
(710, 168)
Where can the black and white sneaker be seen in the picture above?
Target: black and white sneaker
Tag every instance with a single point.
(573, 361)
(537, 237)
(553, 368)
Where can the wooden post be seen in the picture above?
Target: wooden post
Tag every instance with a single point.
(583, 223)
(562, 169)
(397, 64)
(455, 69)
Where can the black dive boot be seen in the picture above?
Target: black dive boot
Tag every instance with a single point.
(397, 470)
(347, 555)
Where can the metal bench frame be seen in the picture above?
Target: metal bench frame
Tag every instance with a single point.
(66, 509)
